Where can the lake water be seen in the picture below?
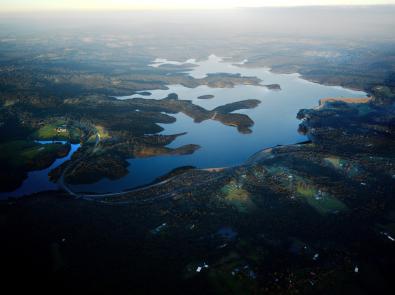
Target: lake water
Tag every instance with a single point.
(223, 146)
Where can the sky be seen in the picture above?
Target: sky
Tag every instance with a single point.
(32, 5)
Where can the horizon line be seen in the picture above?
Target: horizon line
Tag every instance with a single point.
(189, 9)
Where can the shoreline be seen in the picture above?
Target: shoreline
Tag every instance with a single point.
(142, 187)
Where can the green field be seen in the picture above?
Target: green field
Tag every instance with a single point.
(322, 202)
(50, 132)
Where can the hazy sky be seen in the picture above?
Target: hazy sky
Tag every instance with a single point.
(18, 5)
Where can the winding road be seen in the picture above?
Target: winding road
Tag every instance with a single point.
(63, 185)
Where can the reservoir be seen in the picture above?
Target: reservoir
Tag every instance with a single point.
(274, 119)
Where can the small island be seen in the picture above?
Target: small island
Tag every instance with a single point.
(273, 87)
(207, 96)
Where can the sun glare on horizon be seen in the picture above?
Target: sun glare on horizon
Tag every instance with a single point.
(27, 5)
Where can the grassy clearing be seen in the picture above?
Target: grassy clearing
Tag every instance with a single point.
(102, 132)
(238, 197)
(322, 202)
(58, 130)
(334, 161)
(347, 167)
(327, 204)
(49, 131)
(305, 190)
